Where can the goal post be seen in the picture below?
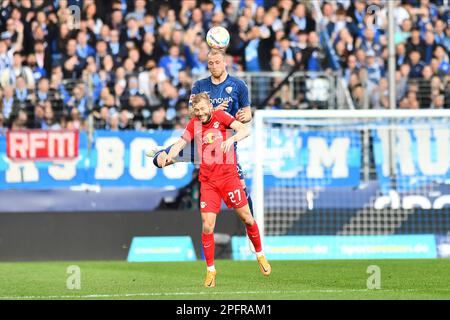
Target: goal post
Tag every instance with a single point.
(350, 172)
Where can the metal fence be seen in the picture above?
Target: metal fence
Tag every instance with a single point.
(303, 90)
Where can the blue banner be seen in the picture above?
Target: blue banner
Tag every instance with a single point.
(293, 158)
(298, 158)
(443, 246)
(421, 156)
(144, 249)
(339, 247)
(117, 159)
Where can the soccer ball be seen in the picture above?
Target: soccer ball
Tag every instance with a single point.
(218, 37)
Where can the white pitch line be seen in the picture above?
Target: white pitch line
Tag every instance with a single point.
(163, 294)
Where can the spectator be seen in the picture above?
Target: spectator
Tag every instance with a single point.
(101, 119)
(163, 46)
(170, 97)
(75, 122)
(425, 87)
(443, 59)
(148, 25)
(6, 56)
(173, 63)
(438, 102)
(158, 120)
(132, 92)
(38, 116)
(37, 71)
(400, 53)
(2, 125)
(73, 64)
(368, 41)
(113, 124)
(447, 96)
(402, 81)
(358, 95)
(415, 43)
(286, 52)
(117, 49)
(133, 33)
(380, 96)
(124, 120)
(374, 71)
(93, 20)
(149, 81)
(302, 19)
(357, 12)
(116, 22)
(78, 101)
(19, 120)
(404, 103)
(50, 121)
(402, 35)
(43, 60)
(267, 41)
(417, 64)
(430, 46)
(22, 96)
(42, 90)
(83, 49)
(311, 56)
(8, 76)
(101, 51)
(444, 40)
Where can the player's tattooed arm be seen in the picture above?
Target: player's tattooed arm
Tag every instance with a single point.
(244, 115)
(242, 132)
(174, 151)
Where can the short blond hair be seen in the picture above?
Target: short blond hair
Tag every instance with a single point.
(199, 97)
(196, 99)
(215, 51)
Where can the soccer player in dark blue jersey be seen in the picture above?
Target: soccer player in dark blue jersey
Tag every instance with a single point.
(226, 93)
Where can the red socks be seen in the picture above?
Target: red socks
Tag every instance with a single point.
(208, 248)
(253, 235)
(208, 243)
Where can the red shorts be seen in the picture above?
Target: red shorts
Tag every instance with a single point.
(229, 189)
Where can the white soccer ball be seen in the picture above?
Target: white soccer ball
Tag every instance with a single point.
(218, 38)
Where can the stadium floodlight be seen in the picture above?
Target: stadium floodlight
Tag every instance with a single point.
(349, 172)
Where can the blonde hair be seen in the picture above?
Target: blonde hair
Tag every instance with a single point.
(196, 99)
(199, 97)
(214, 52)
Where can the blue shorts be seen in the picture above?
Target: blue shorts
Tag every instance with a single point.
(188, 154)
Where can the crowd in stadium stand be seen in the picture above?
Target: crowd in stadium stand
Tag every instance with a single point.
(132, 63)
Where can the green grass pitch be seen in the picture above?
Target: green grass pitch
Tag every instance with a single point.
(343, 279)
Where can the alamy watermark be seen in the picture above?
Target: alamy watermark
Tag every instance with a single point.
(373, 12)
(74, 18)
(73, 281)
(374, 280)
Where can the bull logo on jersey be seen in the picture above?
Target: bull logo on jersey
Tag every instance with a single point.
(210, 137)
(228, 90)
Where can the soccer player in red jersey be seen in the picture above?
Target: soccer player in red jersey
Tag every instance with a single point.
(213, 132)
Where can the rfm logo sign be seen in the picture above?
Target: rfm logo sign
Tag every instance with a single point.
(74, 17)
(373, 11)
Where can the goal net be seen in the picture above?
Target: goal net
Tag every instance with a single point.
(351, 172)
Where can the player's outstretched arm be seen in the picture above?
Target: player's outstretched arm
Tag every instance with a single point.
(244, 115)
(242, 132)
(174, 151)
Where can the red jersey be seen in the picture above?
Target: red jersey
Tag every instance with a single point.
(214, 163)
